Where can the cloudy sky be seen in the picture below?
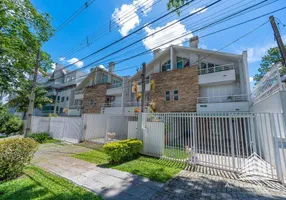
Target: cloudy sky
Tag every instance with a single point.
(106, 21)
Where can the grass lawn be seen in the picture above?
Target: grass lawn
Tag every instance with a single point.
(38, 184)
(154, 168)
(175, 153)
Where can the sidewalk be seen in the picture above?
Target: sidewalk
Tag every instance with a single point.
(109, 183)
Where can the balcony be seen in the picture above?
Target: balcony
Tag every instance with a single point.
(228, 103)
(217, 74)
(76, 107)
(114, 89)
(78, 94)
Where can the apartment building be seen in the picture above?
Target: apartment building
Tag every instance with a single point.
(59, 87)
(100, 87)
(190, 79)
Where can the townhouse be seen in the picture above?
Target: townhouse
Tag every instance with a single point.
(189, 79)
(59, 87)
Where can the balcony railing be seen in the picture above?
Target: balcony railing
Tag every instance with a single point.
(76, 107)
(218, 68)
(223, 99)
(116, 85)
(127, 104)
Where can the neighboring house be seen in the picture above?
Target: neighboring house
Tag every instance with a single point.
(189, 79)
(100, 87)
(59, 87)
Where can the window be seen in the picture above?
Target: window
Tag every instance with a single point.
(206, 68)
(67, 98)
(58, 100)
(166, 66)
(104, 78)
(90, 103)
(68, 79)
(182, 62)
(176, 95)
(63, 99)
(57, 109)
(61, 110)
(167, 95)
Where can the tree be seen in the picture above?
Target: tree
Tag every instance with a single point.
(273, 56)
(21, 99)
(9, 123)
(175, 4)
(22, 31)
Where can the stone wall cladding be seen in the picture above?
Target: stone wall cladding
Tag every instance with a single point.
(96, 93)
(185, 81)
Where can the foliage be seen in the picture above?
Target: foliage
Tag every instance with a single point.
(40, 137)
(152, 106)
(22, 31)
(123, 150)
(22, 95)
(14, 154)
(38, 184)
(136, 110)
(154, 168)
(173, 4)
(273, 56)
(9, 123)
(152, 85)
(53, 115)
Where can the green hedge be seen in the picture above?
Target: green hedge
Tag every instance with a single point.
(40, 137)
(123, 150)
(14, 154)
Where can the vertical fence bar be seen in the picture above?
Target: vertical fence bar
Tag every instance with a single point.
(232, 142)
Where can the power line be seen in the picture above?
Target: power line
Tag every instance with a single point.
(74, 15)
(142, 28)
(148, 51)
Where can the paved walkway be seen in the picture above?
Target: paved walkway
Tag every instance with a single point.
(109, 183)
(196, 185)
(114, 184)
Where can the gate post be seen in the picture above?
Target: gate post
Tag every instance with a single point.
(231, 141)
(276, 148)
(139, 134)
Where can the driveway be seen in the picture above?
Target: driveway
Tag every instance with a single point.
(114, 184)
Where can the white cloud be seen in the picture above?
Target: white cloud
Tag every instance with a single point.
(53, 66)
(146, 6)
(203, 46)
(172, 32)
(126, 16)
(126, 22)
(257, 52)
(250, 79)
(62, 59)
(196, 10)
(78, 63)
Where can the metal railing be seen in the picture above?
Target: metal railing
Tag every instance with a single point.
(76, 107)
(218, 68)
(116, 85)
(223, 99)
(135, 103)
(113, 104)
(247, 143)
(270, 84)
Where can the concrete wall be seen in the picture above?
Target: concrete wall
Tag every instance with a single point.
(223, 107)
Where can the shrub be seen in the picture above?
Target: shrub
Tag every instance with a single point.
(14, 154)
(123, 150)
(9, 123)
(40, 137)
(53, 115)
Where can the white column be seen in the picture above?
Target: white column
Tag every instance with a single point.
(172, 58)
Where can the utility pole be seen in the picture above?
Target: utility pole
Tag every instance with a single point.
(32, 97)
(278, 39)
(143, 76)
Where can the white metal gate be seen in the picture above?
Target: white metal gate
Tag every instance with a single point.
(62, 128)
(247, 143)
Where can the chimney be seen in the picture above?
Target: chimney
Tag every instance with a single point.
(156, 52)
(111, 67)
(194, 42)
